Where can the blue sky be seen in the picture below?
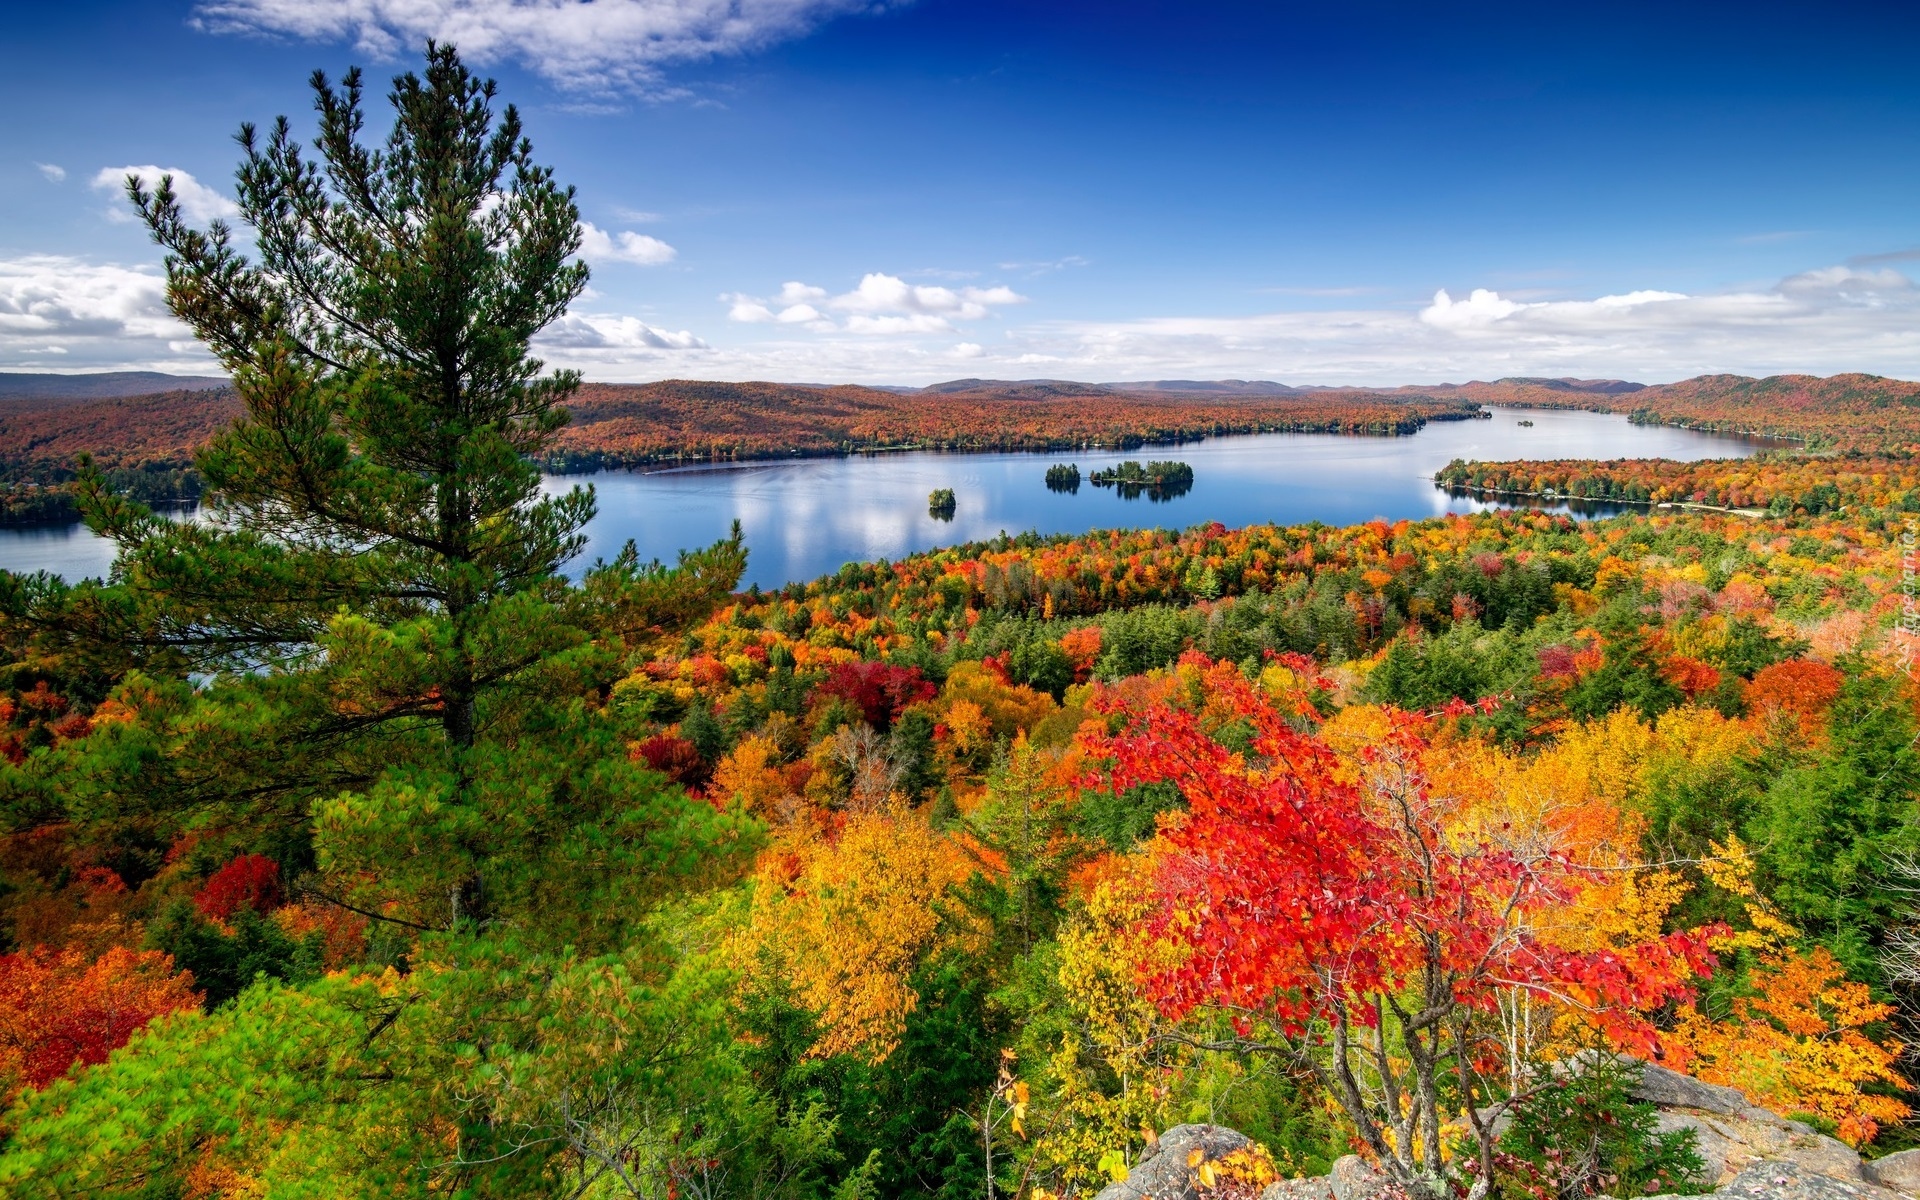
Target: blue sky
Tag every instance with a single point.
(832, 190)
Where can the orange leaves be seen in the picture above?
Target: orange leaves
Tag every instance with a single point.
(1799, 1045)
(752, 777)
(59, 1007)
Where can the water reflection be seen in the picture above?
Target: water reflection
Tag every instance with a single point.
(804, 518)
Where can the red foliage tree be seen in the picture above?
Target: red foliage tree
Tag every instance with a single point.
(1359, 932)
(249, 881)
(675, 757)
(881, 691)
(59, 1007)
(1798, 689)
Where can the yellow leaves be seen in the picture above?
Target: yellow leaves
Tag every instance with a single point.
(750, 777)
(1107, 1099)
(968, 726)
(1250, 1167)
(1019, 1109)
(1798, 1045)
(845, 922)
(1613, 572)
(1731, 869)
(1007, 708)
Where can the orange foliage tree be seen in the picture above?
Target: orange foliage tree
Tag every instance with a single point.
(1799, 1045)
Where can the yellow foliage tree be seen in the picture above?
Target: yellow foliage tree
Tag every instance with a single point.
(748, 776)
(844, 922)
(1107, 1092)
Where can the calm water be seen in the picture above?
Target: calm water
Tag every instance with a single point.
(804, 518)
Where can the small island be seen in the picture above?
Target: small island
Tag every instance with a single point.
(941, 504)
(1063, 477)
(1158, 480)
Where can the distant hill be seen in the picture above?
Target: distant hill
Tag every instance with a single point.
(1022, 389)
(1226, 387)
(1611, 387)
(19, 385)
(629, 424)
(1516, 385)
(40, 437)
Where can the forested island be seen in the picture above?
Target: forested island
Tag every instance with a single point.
(353, 848)
(1157, 479)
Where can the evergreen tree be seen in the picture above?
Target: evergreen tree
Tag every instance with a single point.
(368, 662)
(378, 593)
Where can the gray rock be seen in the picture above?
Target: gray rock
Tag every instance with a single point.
(1354, 1178)
(1316, 1187)
(1729, 1144)
(1900, 1171)
(1671, 1089)
(1791, 1181)
(1163, 1174)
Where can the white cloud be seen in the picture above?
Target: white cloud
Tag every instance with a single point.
(53, 172)
(588, 45)
(910, 323)
(1482, 309)
(612, 333)
(1044, 268)
(598, 245)
(1847, 279)
(90, 316)
(884, 304)
(79, 315)
(880, 293)
(748, 310)
(198, 202)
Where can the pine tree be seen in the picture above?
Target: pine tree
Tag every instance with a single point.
(367, 665)
(403, 678)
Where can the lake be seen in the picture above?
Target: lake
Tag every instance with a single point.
(805, 517)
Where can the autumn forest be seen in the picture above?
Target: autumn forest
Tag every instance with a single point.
(351, 848)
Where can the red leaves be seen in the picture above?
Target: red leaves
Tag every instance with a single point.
(249, 881)
(1299, 894)
(673, 756)
(881, 691)
(1270, 878)
(57, 1008)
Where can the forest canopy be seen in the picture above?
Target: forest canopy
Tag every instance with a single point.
(353, 848)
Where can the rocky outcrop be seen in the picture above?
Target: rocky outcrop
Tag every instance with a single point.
(1734, 1135)
(1900, 1171)
(1791, 1181)
(1750, 1153)
(1166, 1170)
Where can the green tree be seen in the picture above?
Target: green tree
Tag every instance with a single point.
(379, 594)
(1829, 830)
(369, 659)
